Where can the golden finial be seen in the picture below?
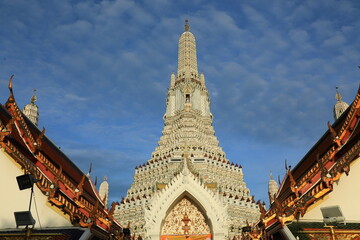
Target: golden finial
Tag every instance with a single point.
(338, 95)
(187, 26)
(33, 98)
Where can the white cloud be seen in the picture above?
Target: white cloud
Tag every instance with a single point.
(299, 36)
(301, 13)
(256, 18)
(73, 97)
(323, 28)
(335, 41)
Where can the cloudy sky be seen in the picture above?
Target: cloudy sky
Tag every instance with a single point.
(102, 68)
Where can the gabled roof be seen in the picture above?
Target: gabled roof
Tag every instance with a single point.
(314, 175)
(66, 186)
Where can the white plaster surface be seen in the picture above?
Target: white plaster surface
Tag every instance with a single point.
(13, 200)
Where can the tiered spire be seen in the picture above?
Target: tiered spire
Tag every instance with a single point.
(188, 154)
(104, 191)
(31, 110)
(340, 106)
(187, 61)
(272, 188)
(188, 116)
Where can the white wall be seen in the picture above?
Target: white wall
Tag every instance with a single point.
(13, 200)
(346, 194)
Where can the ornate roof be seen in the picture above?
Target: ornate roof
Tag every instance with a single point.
(313, 177)
(66, 186)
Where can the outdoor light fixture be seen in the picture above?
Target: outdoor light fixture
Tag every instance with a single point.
(24, 218)
(25, 181)
(332, 215)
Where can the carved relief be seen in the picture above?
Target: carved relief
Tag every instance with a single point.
(185, 218)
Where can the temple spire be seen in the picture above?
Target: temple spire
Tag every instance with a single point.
(187, 96)
(187, 60)
(104, 192)
(31, 110)
(272, 188)
(340, 106)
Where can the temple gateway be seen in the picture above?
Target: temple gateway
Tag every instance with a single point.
(188, 189)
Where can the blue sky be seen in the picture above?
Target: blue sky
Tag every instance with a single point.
(102, 68)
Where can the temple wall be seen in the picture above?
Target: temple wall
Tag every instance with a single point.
(14, 200)
(346, 194)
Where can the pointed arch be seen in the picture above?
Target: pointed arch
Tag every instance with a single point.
(186, 185)
(185, 216)
(192, 205)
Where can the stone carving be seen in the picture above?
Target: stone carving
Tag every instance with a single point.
(185, 213)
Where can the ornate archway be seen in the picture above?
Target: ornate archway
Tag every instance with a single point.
(186, 185)
(185, 221)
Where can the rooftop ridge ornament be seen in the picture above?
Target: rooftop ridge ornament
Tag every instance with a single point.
(10, 83)
(11, 98)
(90, 169)
(187, 26)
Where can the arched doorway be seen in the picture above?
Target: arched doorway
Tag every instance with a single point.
(185, 221)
